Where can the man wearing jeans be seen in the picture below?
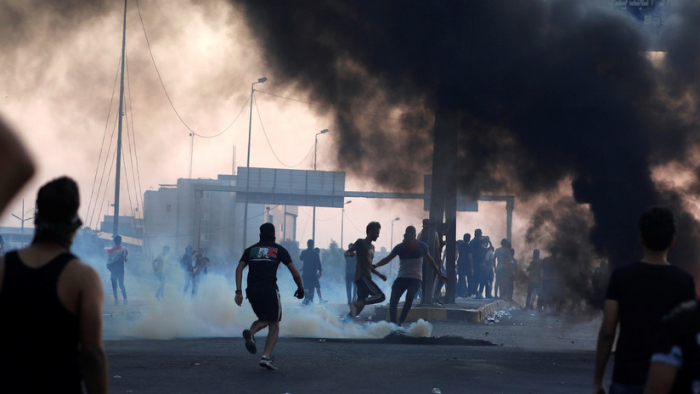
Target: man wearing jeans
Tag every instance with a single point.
(411, 252)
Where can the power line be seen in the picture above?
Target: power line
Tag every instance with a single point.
(138, 172)
(107, 185)
(153, 60)
(135, 171)
(255, 101)
(104, 135)
(102, 177)
(353, 223)
(129, 118)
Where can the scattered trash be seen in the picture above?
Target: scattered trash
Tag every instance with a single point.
(437, 391)
(500, 315)
(196, 363)
(322, 340)
(117, 377)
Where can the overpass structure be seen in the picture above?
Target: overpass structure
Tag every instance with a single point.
(325, 189)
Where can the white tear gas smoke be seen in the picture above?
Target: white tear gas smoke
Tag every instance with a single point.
(213, 313)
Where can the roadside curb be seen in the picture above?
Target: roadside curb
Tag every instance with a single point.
(452, 312)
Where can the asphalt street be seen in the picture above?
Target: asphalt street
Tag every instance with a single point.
(526, 352)
(222, 365)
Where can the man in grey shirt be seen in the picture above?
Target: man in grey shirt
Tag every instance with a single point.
(411, 252)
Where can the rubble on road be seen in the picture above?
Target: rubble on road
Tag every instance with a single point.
(500, 315)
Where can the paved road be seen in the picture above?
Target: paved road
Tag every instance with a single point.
(221, 365)
(526, 352)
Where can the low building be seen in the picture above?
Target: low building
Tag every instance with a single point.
(187, 213)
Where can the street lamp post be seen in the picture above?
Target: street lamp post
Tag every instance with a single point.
(22, 219)
(391, 246)
(313, 225)
(342, 216)
(247, 165)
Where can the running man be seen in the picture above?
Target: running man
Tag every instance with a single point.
(54, 341)
(116, 257)
(368, 292)
(262, 292)
(411, 252)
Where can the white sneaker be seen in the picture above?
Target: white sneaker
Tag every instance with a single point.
(267, 363)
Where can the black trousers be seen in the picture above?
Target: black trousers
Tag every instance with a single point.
(401, 285)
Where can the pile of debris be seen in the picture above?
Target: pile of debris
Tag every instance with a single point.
(500, 315)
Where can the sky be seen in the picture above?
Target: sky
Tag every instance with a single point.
(56, 89)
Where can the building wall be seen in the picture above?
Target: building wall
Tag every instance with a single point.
(128, 226)
(178, 216)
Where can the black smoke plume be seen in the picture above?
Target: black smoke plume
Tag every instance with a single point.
(547, 90)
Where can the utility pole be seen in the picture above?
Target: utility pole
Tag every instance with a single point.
(313, 220)
(247, 165)
(115, 231)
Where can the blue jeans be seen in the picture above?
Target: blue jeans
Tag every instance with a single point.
(617, 388)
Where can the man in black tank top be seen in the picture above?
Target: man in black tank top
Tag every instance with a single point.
(53, 341)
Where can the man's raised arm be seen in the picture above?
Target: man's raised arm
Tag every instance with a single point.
(386, 260)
